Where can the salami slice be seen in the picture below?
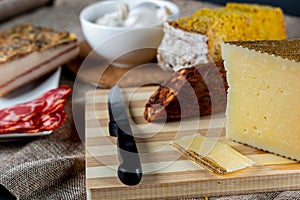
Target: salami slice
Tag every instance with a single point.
(42, 114)
(54, 121)
(20, 113)
(22, 126)
(52, 96)
(56, 107)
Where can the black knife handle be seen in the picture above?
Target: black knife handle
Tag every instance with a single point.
(129, 178)
(113, 129)
(130, 169)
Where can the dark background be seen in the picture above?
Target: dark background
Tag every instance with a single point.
(290, 7)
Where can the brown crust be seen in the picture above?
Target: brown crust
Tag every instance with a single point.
(186, 94)
(23, 39)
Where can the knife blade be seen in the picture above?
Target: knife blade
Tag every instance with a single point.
(129, 169)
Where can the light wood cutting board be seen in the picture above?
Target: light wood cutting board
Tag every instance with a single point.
(167, 174)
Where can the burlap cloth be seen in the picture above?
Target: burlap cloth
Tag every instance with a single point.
(53, 166)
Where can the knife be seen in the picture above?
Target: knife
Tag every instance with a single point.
(130, 169)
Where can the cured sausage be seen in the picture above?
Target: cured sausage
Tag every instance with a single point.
(188, 94)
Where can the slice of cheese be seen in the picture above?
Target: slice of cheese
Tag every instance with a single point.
(263, 108)
(215, 156)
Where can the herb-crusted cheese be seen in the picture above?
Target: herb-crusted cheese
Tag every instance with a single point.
(193, 40)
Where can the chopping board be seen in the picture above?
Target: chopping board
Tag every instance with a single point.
(168, 174)
(93, 69)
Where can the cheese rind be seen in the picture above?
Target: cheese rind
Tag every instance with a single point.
(263, 108)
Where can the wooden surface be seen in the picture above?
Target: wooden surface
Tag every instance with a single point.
(167, 174)
(92, 69)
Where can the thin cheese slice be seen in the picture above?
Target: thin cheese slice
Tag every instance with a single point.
(215, 156)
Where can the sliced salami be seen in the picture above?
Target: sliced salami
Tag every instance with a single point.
(54, 121)
(22, 126)
(42, 114)
(51, 97)
(20, 113)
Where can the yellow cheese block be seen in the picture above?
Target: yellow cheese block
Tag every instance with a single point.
(263, 108)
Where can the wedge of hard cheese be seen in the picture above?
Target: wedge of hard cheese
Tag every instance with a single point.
(263, 108)
(214, 156)
(28, 52)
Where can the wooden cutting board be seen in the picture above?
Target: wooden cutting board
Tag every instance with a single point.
(167, 174)
(93, 69)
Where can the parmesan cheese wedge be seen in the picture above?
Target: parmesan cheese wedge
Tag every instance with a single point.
(213, 155)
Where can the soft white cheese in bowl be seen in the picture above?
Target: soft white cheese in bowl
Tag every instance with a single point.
(126, 33)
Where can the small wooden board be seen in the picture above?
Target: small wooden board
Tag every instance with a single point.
(93, 69)
(167, 174)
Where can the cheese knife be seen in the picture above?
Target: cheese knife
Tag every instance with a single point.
(130, 169)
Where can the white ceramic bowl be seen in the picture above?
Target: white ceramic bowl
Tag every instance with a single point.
(123, 46)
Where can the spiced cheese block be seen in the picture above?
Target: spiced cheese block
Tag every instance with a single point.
(192, 40)
(28, 52)
(263, 107)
